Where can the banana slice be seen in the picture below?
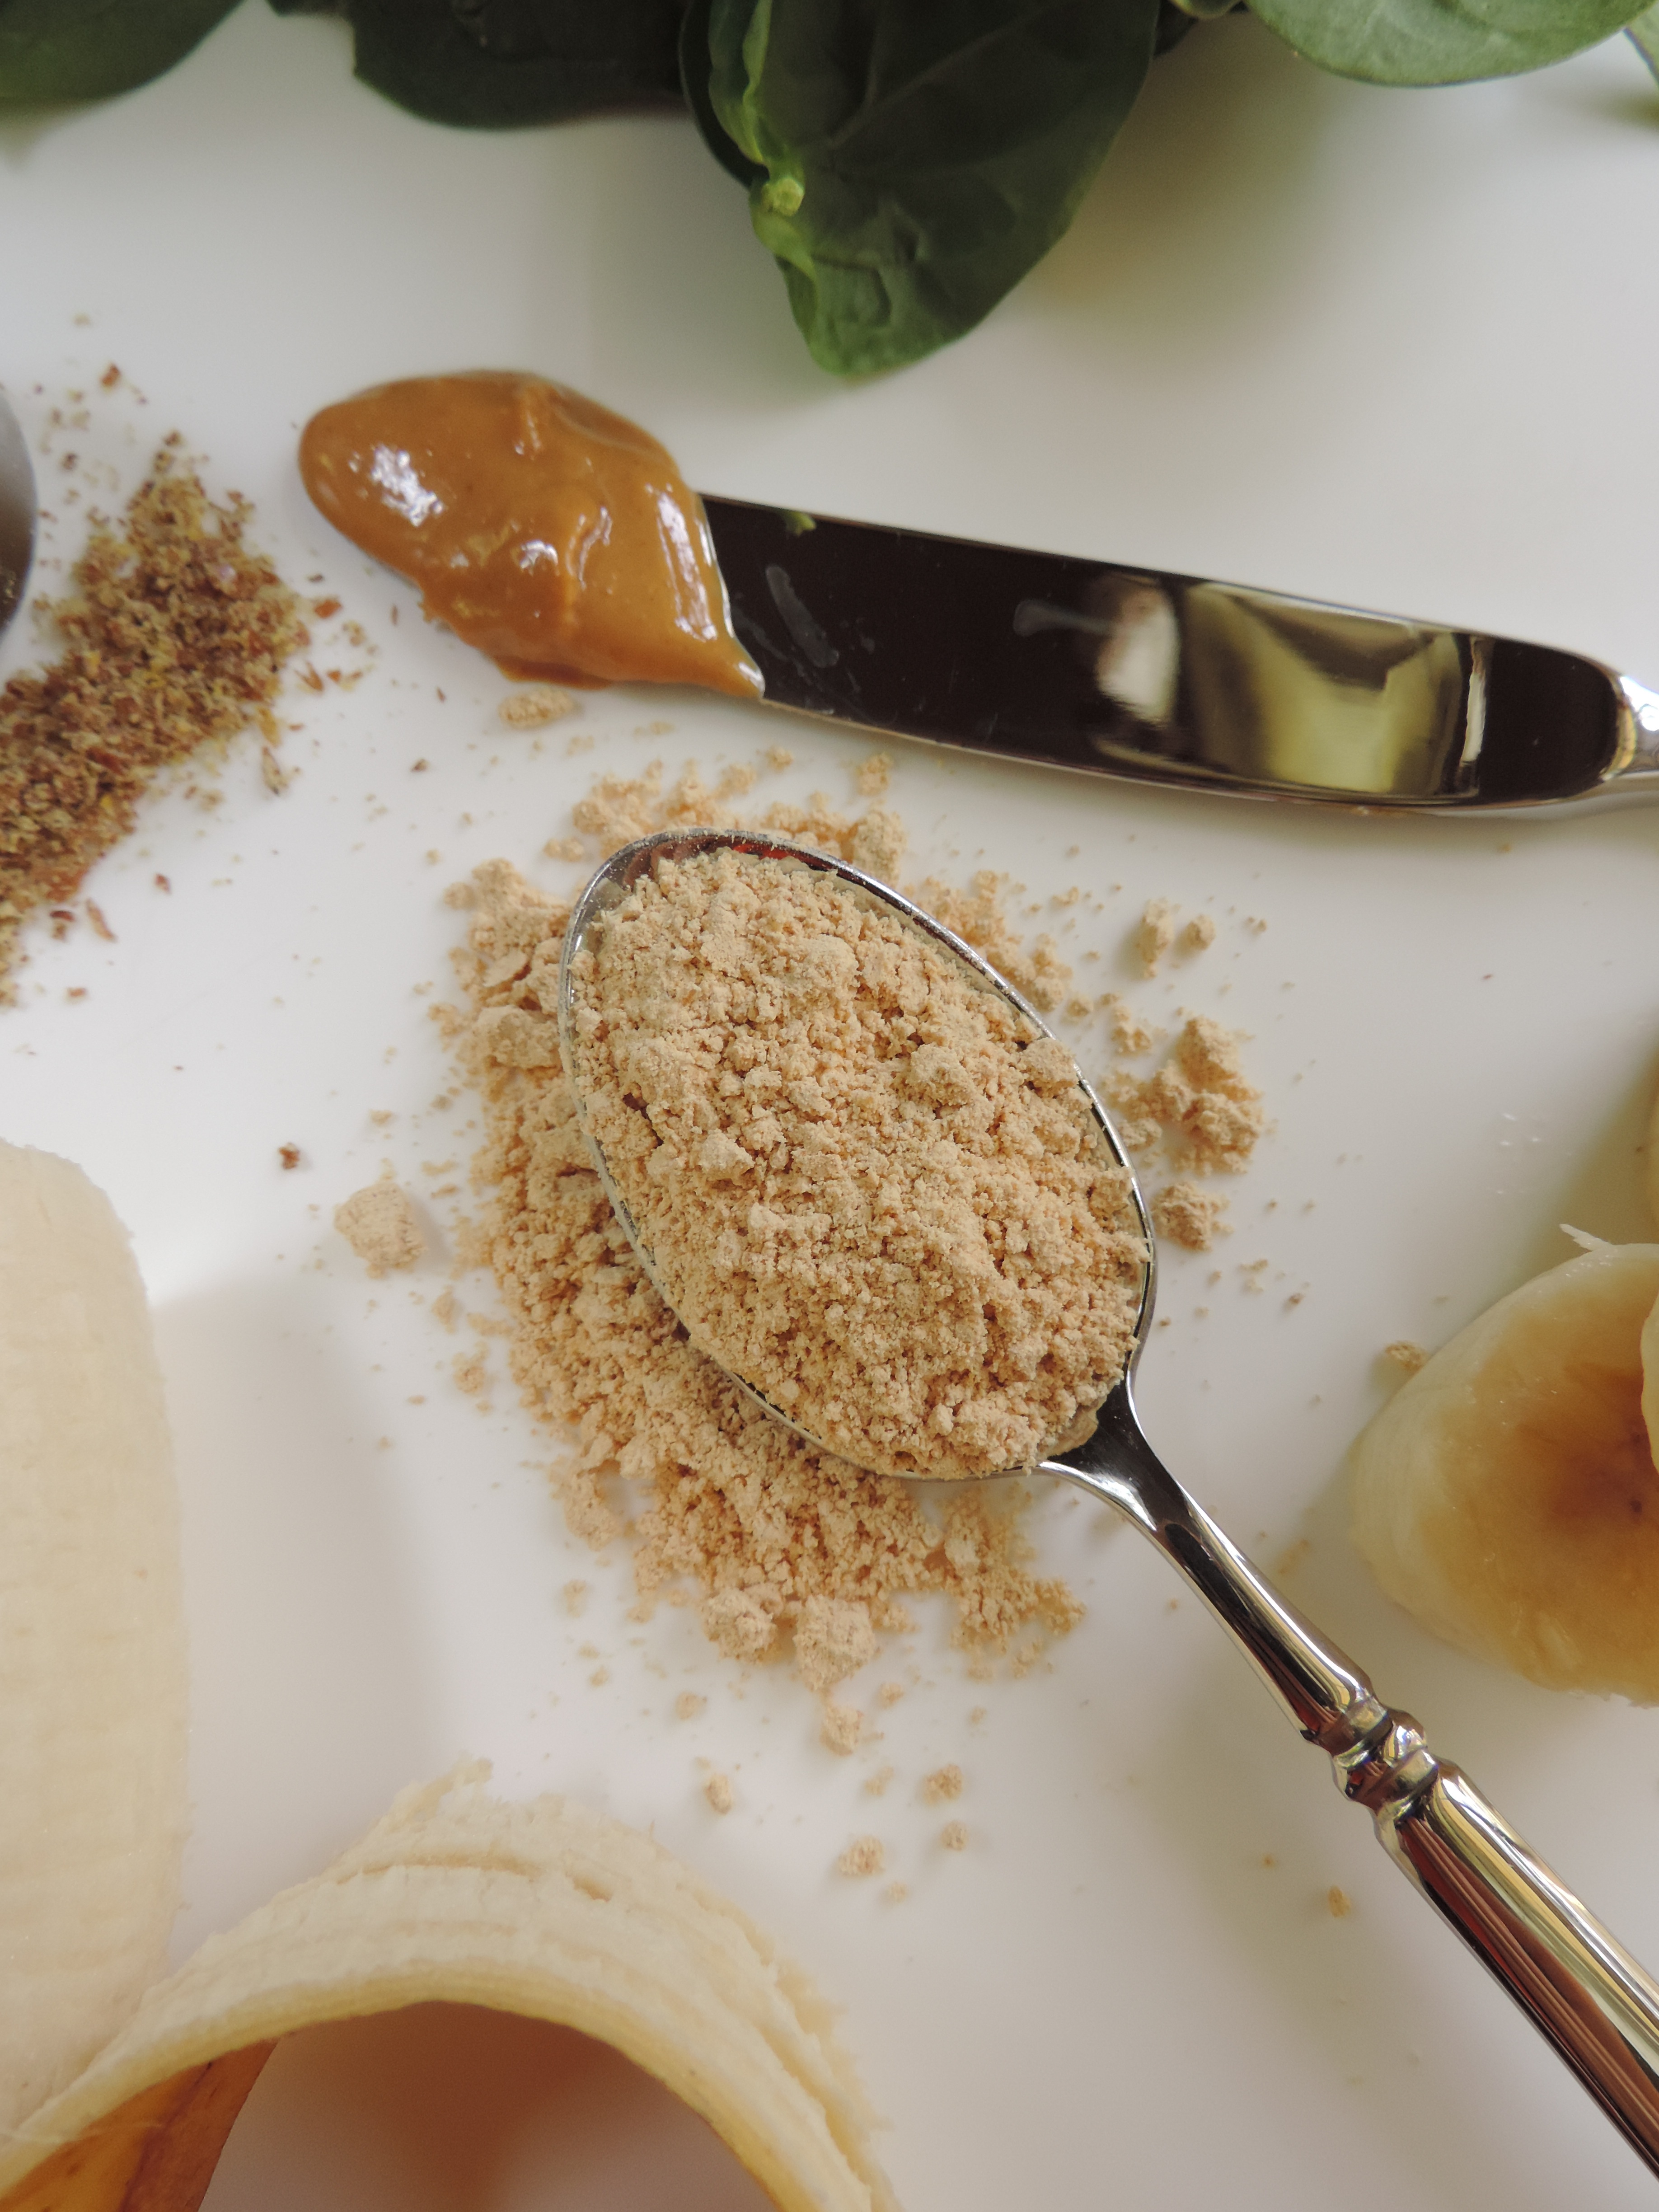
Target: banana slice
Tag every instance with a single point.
(547, 1910)
(1507, 1495)
(94, 1687)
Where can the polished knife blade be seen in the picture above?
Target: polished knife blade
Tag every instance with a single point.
(1169, 679)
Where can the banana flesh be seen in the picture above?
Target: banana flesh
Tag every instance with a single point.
(1508, 1496)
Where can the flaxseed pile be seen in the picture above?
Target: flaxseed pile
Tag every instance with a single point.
(174, 636)
(873, 1190)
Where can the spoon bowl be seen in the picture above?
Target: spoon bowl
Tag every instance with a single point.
(1586, 1994)
(17, 513)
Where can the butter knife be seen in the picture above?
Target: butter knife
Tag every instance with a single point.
(1169, 679)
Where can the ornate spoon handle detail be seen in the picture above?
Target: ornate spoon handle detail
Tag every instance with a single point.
(1574, 1980)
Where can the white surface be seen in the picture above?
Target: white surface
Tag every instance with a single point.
(1394, 348)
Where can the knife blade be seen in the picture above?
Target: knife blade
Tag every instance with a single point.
(1171, 679)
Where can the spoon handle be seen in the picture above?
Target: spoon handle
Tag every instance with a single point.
(1575, 1981)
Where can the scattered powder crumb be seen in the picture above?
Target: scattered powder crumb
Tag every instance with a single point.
(1199, 1099)
(833, 1639)
(780, 757)
(1405, 1355)
(96, 916)
(873, 1191)
(1198, 934)
(874, 775)
(174, 634)
(1188, 1216)
(1154, 933)
(379, 1115)
(1338, 1903)
(895, 1893)
(890, 1693)
(529, 710)
(733, 1506)
(875, 1785)
(1130, 1034)
(689, 1705)
(163, 883)
(954, 1836)
(976, 1718)
(841, 1728)
(447, 1307)
(865, 1855)
(289, 1155)
(942, 1785)
(563, 849)
(378, 1224)
(575, 1598)
(582, 742)
(718, 1790)
(471, 1371)
(275, 777)
(600, 1677)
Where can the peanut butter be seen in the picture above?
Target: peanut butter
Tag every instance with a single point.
(553, 535)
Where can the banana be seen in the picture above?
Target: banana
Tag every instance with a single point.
(117, 2097)
(1507, 1495)
(548, 1910)
(94, 1687)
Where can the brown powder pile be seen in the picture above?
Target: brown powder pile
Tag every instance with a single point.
(872, 1189)
(174, 634)
(734, 1506)
(942, 1785)
(378, 1224)
(865, 1855)
(1199, 1099)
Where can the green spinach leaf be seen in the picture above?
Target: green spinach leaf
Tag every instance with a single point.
(918, 160)
(1644, 37)
(1441, 41)
(497, 64)
(53, 49)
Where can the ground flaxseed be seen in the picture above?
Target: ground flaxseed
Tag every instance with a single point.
(174, 634)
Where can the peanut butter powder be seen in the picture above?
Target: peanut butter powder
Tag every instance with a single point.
(872, 1189)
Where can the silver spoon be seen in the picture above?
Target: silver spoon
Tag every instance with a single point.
(1574, 1980)
(16, 513)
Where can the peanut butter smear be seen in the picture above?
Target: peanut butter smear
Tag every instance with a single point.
(553, 535)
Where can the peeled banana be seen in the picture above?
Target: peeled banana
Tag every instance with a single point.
(117, 2097)
(94, 1687)
(1507, 1495)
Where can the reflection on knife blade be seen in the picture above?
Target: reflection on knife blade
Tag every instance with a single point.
(1167, 679)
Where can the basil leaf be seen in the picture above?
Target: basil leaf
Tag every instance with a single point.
(53, 49)
(497, 63)
(918, 161)
(1441, 41)
(1644, 35)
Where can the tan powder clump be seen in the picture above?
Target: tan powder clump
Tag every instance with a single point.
(954, 1836)
(841, 1728)
(734, 1506)
(1197, 1098)
(1406, 1356)
(1188, 1216)
(718, 1790)
(1155, 932)
(871, 1189)
(378, 1224)
(865, 1855)
(941, 1786)
(534, 708)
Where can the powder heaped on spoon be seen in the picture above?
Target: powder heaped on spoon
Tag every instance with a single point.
(870, 1189)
